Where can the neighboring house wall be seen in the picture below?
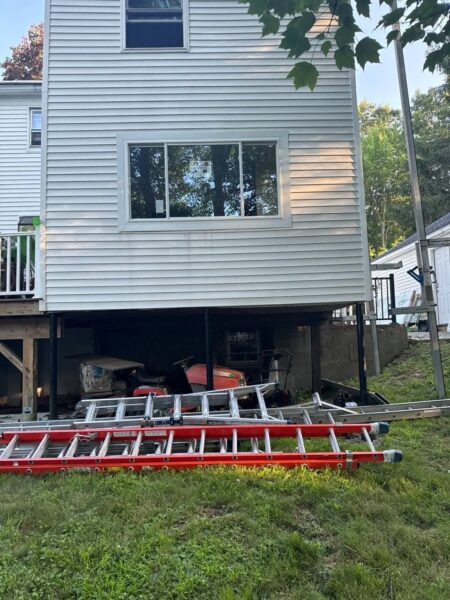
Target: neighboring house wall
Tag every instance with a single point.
(20, 165)
(405, 284)
(230, 80)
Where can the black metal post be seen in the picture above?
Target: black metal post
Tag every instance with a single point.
(361, 353)
(392, 296)
(53, 366)
(209, 351)
(316, 367)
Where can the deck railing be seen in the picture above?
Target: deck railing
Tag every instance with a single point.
(19, 260)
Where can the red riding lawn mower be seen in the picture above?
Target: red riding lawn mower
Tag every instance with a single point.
(187, 378)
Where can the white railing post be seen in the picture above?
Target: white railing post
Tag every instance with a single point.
(15, 246)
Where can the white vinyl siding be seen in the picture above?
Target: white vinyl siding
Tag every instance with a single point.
(230, 80)
(20, 165)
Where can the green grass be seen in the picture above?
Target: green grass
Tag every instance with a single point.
(380, 532)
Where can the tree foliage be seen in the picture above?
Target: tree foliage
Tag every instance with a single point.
(389, 211)
(323, 25)
(26, 59)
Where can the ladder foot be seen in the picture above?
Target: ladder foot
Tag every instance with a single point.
(393, 456)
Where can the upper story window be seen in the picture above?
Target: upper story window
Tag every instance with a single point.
(155, 24)
(203, 180)
(35, 127)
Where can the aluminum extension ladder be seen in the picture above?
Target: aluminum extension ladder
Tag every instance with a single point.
(199, 408)
(148, 448)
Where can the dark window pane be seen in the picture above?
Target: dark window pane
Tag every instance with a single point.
(155, 35)
(147, 182)
(155, 3)
(35, 138)
(204, 181)
(260, 179)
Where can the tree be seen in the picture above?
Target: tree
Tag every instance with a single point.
(26, 60)
(389, 214)
(431, 119)
(425, 20)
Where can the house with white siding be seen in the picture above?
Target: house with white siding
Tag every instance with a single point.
(406, 287)
(183, 173)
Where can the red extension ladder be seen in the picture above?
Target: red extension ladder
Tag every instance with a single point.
(183, 447)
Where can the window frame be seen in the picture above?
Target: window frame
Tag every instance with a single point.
(123, 28)
(126, 223)
(32, 146)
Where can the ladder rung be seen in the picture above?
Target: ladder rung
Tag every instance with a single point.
(70, 452)
(40, 448)
(333, 441)
(300, 441)
(148, 412)
(169, 443)
(234, 406)
(120, 411)
(105, 445)
(205, 406)
(137, 445)
(177, 408)
(262, 404)
(201, 449)
(267, 444)
(10, 447)
(234, 443)
(368, 440)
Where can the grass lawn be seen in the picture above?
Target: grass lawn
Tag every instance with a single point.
(380, 532)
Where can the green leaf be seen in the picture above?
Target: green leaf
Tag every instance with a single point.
(412, 34)
(256, 7)
(346, 34)
(391, 36)
(271, 24)
(437, 57)
(326, 47)
(367, 50)
(363, 7)
(294, 38)
(344, 10)
(320, 36)
(391, 18)
(344, 57)
(304, 74)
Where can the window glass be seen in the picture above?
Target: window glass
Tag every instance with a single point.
(243, 345)
(260, 179)
(35, 127)
(154, 24)
(147, 182)
(204, 181)
(36, 119)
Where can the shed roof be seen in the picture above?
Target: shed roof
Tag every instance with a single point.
(435, 226)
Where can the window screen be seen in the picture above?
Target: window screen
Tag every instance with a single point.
(154, 24)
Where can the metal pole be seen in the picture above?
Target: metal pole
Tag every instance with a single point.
(53, 366)
(316, 368)
(427, 286)
(361, 353)
(208, 351)
(392, 296)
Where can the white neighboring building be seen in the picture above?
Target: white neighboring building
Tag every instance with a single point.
(20, 152)
(405, 252)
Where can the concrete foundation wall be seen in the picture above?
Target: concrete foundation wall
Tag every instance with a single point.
(339, 351)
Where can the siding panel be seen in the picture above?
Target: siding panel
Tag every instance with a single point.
(231, 79)
(20, 166)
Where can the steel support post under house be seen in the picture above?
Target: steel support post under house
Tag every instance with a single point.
(316, 366)
(53, 366)
(361, 353)
(209, 351)
(428, 300)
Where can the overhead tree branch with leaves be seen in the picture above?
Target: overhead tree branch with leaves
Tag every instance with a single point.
(426, 20)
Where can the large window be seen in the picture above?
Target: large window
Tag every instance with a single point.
(35, 127)
(203, 180)
(154, 23)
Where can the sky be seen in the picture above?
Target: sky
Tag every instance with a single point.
(377, 83)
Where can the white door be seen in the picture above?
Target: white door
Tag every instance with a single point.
(442, 268)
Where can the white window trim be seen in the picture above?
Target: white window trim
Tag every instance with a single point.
(125, 223)
(32, 147)
(123, 36)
